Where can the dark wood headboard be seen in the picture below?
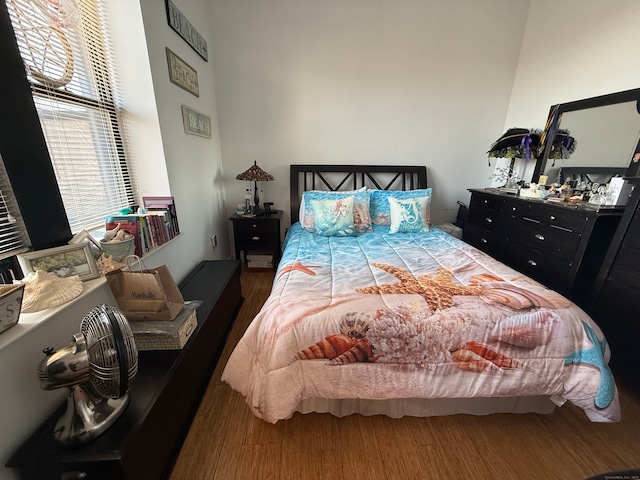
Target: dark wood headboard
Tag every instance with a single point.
(351, 177)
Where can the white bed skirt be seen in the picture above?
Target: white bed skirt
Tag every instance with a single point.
(418, 407)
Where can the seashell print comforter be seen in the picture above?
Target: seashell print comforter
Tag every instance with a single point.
(423, 315)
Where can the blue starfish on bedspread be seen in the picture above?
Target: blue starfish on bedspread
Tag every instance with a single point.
(595, 356)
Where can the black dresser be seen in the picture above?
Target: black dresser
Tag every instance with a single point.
(616, 294)
(561, 245)
(145, 441)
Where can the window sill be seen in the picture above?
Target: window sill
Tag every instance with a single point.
(28, 321)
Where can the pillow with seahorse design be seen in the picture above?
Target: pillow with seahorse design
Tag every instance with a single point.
(408, 215)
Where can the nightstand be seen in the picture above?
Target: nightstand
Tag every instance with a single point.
(259, 234)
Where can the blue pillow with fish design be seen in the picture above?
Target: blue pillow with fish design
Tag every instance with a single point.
(333, 217)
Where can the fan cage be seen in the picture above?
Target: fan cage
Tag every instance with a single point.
(107, 364)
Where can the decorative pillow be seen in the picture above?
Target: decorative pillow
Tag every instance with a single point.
(333, 217)
(361, 217)
(379, 204)
(407, 215)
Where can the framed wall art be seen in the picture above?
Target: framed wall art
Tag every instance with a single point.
(196, 123)
(64, 261)
(182, 74)
(183, 27)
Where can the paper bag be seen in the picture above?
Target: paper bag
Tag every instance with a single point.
(150, 294)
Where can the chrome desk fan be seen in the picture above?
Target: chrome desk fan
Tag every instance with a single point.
(98, 367)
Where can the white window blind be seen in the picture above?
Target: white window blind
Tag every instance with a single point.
(13, 237)
(63, 44)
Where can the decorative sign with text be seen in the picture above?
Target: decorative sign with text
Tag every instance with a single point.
(183, 27)
(181, 73)
(196, 123)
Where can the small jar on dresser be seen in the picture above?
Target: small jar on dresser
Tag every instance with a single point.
(561, 245)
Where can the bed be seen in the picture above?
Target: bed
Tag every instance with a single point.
(379, 312)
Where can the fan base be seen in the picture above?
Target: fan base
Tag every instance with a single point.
(87, 416)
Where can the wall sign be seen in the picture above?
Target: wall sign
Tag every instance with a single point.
(196, 123)
(183, 27)
(182, 74)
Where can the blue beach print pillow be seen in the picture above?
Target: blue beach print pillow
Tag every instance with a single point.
(334, 217)
(361, 217)
(379, 204)
(406, 215)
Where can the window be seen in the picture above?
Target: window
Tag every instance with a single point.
(73, 83)
(13, 238)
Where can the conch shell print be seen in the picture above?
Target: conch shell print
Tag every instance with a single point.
(347, 347)
(526, 330)
(478, 357)
(520, 298)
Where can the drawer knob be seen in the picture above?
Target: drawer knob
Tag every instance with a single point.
(484, 240)
(552, 217)
(513, 209)
(531, 263)
(488, 220)
(539, 237)
(255, 238)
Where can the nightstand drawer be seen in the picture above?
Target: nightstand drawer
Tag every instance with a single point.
(256, 232)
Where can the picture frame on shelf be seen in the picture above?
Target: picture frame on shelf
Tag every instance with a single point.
(64, 261)
(94, 245)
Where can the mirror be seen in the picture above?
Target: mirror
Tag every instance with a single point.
(606, 130)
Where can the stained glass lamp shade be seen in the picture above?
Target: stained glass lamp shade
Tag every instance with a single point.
(255, 174)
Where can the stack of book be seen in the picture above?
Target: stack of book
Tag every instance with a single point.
(155, 227)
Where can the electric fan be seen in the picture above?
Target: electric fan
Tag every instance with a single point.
(98, 367)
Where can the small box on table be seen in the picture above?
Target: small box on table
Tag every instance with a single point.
(166, 335)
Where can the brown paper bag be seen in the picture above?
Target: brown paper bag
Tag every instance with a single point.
(150, 294)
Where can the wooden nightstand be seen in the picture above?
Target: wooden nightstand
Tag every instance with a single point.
(259, 234)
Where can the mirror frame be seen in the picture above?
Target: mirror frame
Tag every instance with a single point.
(553, 125)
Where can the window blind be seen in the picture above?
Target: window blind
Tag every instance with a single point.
(13, 236)
(63, 44)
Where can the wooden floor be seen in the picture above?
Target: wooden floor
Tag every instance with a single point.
(227, 442)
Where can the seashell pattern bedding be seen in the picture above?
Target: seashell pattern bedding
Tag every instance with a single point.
(416, 315)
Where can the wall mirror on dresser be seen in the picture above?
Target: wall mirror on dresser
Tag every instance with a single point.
(561, 244)
(606, 130)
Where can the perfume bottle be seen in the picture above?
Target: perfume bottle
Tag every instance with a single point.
(247, 202)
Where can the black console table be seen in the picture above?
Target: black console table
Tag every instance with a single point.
(145, 441)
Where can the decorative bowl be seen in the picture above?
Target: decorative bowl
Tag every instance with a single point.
(118, 250)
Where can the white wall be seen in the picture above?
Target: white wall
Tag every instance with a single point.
(571, 50)
(364, 82)
(193, 164)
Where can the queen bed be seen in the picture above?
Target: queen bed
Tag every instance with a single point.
(375, 311)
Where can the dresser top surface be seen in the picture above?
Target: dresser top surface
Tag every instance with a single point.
(582, 206)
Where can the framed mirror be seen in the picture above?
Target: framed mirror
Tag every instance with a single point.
(606, 132)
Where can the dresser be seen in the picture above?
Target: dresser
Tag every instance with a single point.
(561, 245)
(165, 395)
(616, 294)
(258, 234)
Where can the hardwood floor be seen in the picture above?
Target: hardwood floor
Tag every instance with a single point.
(227, 442)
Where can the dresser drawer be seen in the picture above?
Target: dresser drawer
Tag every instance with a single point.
(546, 239)
(256, 233)
(486, 218)
(515, 208)
(491, 242)
(491, 202)
(559, 217)
(550, 271)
